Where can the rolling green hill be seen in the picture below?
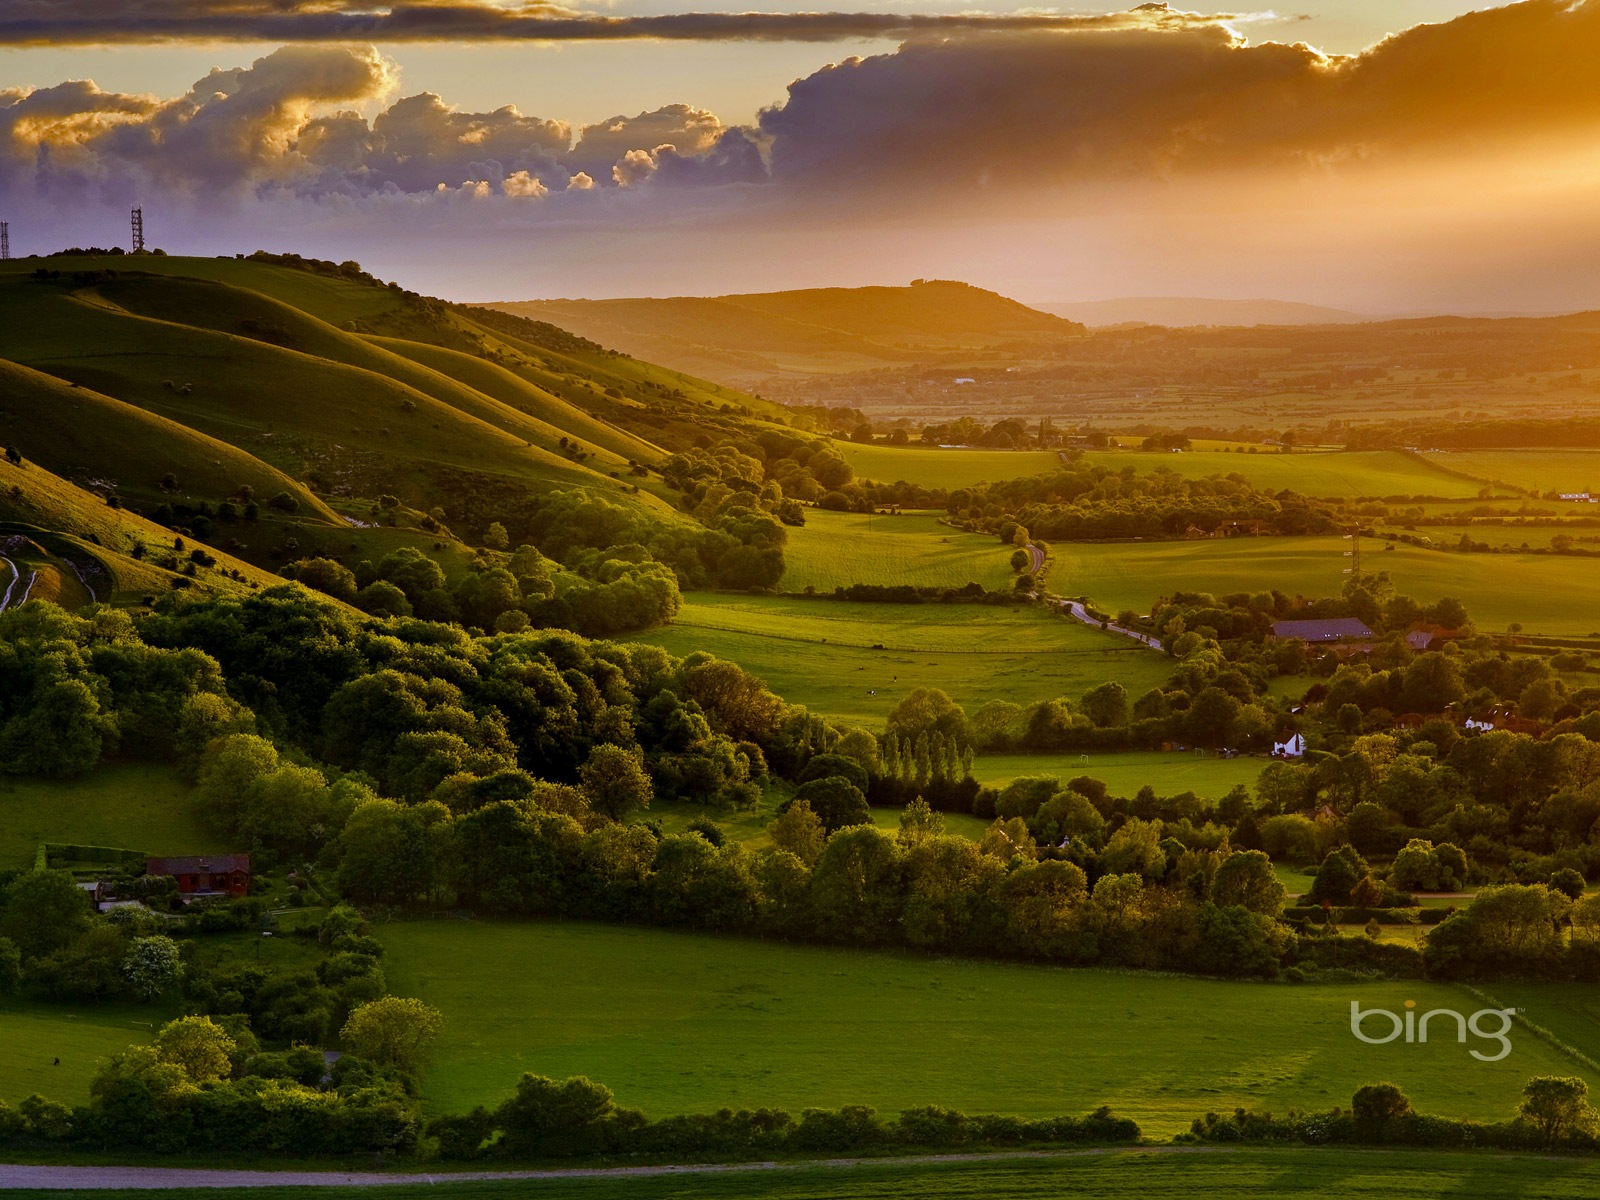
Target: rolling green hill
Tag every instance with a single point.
(814, 330)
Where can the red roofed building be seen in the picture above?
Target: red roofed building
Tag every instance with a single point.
(206, 874)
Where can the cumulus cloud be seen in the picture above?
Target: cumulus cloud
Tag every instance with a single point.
(65, 22)
(282, 124)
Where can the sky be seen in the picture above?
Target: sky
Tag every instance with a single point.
(1404, 156)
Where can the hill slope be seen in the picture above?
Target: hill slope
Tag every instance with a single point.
(744, 337)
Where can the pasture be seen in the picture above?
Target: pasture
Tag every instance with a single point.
(681, 1022)
(1327, 473)
(1545, 593)
(821, 653)
(33, 1035)
(932, 467)
(836, 549)
(1541, 470)
(1169, 772)
(136, 806)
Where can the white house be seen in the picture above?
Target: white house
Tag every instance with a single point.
(1294, 746)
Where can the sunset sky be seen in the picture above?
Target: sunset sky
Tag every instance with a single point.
(1387, 157)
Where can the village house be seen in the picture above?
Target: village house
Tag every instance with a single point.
(205, 876)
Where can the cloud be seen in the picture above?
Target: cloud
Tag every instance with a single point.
(1005, 111)
(283, 125)
(1165, 146)
(79, 22)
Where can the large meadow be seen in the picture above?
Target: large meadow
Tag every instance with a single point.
(678, 1022)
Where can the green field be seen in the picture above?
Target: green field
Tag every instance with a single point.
(678, 1022)
(1169, 772)
(1330, 473)
(820, 652)
(33, 1036)
(934, 468)
(1546, 594)
(1211, 1173)
(1543, 470)
(749, 826)
(133, 807)
(837, 549)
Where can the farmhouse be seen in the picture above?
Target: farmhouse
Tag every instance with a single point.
(206, 875)
(1332, 629)
(1291, 745)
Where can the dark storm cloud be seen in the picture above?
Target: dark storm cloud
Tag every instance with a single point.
(79, 22)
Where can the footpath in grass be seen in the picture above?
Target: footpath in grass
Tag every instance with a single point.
(678, 1022)
(135, 806)
(1123, 1174)
(822, 653)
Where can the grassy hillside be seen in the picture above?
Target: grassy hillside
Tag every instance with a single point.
(677, 1022)
(837, 549)
(80, 434)
(64, 523)
(821, 653)
(821, 329)
(1332, 473)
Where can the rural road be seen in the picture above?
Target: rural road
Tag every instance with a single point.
(52, 1178)
(1035, 559)
(1078, 611)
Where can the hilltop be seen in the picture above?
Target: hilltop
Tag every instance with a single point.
(820, 330)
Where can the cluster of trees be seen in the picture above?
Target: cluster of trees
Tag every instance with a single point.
(203, 1086)
(576, 1117)
(601, 592)
(1555, 1113)
(1084, 502)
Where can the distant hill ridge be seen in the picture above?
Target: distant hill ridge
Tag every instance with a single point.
(813, 329)
(1182, 311)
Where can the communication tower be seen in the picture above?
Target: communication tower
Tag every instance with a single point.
(138, 231)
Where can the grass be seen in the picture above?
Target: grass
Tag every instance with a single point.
(1336, 473)
(1214, 1173)
(1547, 594)
(934, 468)
(1169, 772)
(837, 549)
(1561, 470)
(32, 1036)
(679, 1022)
(820, 652)
(749, 826)
(133, 807)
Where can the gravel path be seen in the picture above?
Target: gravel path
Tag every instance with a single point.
(60, 1178)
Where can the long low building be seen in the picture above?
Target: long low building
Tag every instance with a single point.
(1330, 629)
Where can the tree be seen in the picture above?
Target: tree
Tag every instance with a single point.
(799, 831)
(1135, 849)
(44, 911)
(154, 965)
(10, 967)
(395, 1031)
(327, 576)
(836, 801)
(1341, 870)
(615, 782)
(1558, 1107)
(1246, 879)
(59, 731)
(544, 1116)
(1416, 867)
(1376, 1104)
(13, 456)
(198, 1046)
(495, 537)
(926, 711)
(1106, 705)
(918, 822)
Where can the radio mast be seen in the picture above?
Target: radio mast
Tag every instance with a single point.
(138, 231)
